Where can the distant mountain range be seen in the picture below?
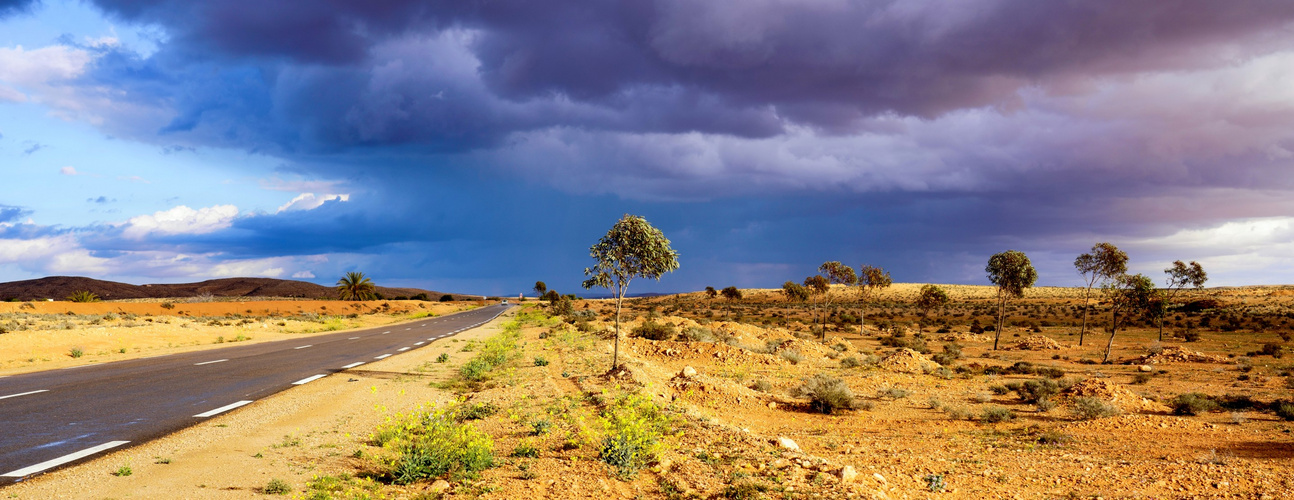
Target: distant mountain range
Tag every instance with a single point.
(59, 287)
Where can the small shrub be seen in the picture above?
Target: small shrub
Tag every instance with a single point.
(790, 355)
(540, 427)
(957, 413)
(635, 427)
(465, 412)
(433, 444)
(525, 449)
(123, 471)
(994, 414)
(827, 393)
(1192, 404)
(762, 385)
(696, 334)
(1000, 390)
(1032, 391)
(1044, 405)
(652, 330)
(540, 361)
(1054, 438)
(1284, 410)
(893, 393)
(277, 487)
(850, 362)
(935, 482)
(1141, 378)
(443, 357)
(76, 352)
(83, 296)
(1093, 408)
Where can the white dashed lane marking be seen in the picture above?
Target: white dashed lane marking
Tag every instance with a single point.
(419, 343)
(353, 338)
(304, 346)
(384, 356)
(352, 365)
(309, 379)
(210, 362)
(402, 349)
(27, 471)
(23, 394)
(222, 409)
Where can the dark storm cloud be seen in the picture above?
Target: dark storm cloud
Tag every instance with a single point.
(10, 7)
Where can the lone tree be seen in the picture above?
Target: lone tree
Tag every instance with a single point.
(355, 286)
(540, 289)
(731, 294)
(1128, 295)
(1180, 276)
(710, 292)
(870, 281)
(795, 292)
(631, 249)
(817, 287)
(932, 297)
(1103, 263)
(836, 274)
(1012, 272)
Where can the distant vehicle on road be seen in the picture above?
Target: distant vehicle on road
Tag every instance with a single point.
(505, 302)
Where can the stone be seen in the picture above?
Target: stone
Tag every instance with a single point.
(688, 372)
(847, 474)
(787, 444)
(880, 478)
(439, 486)
(1146, 368)
(772, 406)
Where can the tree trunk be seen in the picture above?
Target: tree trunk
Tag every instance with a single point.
(1001, 312)
(615, 356)
(1087, 297)
(1114, 327)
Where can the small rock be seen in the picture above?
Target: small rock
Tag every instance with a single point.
(688, 372)
(787, 444)
(847, 474)
(772, 406)
(439, 486)
(1146, 368)
(880, 478)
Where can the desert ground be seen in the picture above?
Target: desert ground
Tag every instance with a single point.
(747, 398)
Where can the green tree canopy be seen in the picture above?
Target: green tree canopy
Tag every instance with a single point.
(540, 288)
(1180, 275)
(631, 249)
(932, 297)
(1103, 263)
(871, 279)
(1128, 295)
(1012, 273)
(795, 292)
(731, 293)
(355, 286)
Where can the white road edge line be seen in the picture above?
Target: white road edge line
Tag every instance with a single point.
(23, 394)
(210, 362)
(27, 471)
(352, 365)
(222, 409)
(304, 346)
(384, 356)
(309, 379)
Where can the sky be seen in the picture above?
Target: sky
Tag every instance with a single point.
(478, 147)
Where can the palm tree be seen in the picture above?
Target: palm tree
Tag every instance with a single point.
(356, 286)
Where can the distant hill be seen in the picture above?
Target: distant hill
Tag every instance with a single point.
(59, 287)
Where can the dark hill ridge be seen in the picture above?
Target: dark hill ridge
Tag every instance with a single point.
(59, 287)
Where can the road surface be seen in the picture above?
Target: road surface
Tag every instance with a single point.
(54, 418)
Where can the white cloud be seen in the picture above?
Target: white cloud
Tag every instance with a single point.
(1242, 252)
(41, 66)
(68, 171)
(304, 275)
(11, 94)
(309, 201)
(181, 220)
(51, 254)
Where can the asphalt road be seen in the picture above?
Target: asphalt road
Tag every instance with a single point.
(53, 418)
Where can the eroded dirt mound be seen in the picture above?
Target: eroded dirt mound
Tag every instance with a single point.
(963, 337)
(1177, 354)
(1036, 343)
(908, 361)
(1110, 392)
(671, 351)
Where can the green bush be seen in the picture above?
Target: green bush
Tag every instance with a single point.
(790, 355)
(433, 444)
(994, 414)
(1193, 403)
(762, 385)
(541, 361)
(850, 362)
(1284, 410)
(655, 331)
(1093, 408)
(76, 352)
(443, 357)
(525, 449)
(635, 427)
(1033, 391)
(696, 334)
(277, 487)
(83, 296)
(826, 393)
